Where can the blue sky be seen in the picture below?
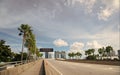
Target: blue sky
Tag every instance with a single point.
(71, 25)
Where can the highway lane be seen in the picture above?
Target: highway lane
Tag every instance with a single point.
(71, 68)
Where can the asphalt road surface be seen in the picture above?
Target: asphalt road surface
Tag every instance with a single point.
(71, 68)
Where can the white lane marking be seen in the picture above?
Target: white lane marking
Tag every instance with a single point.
(55, 68)
(88, 65)
(110, 68)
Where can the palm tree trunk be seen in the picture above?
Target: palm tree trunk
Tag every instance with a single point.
(27, 58)
(22, 49)
(107, 55)
(35, 55)
(110, 56)
(101, 57)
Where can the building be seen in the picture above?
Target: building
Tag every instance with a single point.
(119, 54)
(61, 54)
(112, 53)
(46, 50)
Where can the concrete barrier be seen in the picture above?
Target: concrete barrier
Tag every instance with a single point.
(50, 69)
(18, 69)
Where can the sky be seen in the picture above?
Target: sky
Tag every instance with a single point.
(70, 25)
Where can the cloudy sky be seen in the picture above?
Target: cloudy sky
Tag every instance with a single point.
(71, 25)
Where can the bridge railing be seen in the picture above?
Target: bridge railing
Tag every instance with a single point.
(6, 65)
(16, 70)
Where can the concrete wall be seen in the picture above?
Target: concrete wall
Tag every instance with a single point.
(18, 69)
(50, 70)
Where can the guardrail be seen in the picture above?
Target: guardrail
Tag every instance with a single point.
(7, 65)
(50, 69)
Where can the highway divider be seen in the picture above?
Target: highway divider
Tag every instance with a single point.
(50, 69)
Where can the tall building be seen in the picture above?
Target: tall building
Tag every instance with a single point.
(59, 54)
(119, 54)
(112, 53)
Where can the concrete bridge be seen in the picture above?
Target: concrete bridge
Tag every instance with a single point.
(54, 67)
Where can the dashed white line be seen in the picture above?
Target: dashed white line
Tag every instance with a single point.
(55, 68)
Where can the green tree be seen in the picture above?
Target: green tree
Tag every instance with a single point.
(40, 54)
(73, 55)
(70, 55)
(90, 54)
(87, 52)
(5, 52)
(101, 52)
(78, 54)
(24, 31)
(31, 45)
(92, 51)
(17, 56)
(109, 49)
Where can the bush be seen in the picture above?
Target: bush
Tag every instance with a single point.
(115, 59)
(107, 59)
(119, 57)
(91, 57)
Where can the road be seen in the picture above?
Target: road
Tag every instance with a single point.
(71, 68)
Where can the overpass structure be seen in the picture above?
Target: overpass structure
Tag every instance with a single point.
(54, 67)
(46, 50)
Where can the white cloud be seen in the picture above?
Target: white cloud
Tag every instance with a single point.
(109, 37)
(94, 44)
(60, 42)
(111, 6)
(76, 47)
(108, 7)
(104, 14)
(88, 4)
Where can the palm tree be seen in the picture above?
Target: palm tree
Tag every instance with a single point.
(38, 54)
(109, 49)
(24, 31)
(78, 54)
(101, 52)
(92, 51)
(31, 45)
(70, 55)
(88, 52)
(34, 47)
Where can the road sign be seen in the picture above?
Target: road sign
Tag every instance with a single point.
(46, 49)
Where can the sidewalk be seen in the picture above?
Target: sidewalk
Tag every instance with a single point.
(34, 70)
